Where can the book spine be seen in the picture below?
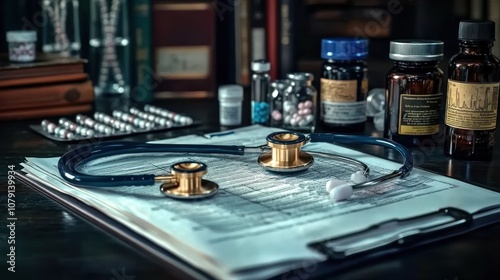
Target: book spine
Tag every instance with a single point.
(144, 79)
(185, 58)
(227, 48)
(46, 96)
(258, 29)
(41, 70)
(287, 42)
(43, 80)
(45, 112)
(272, 37)
(245, 42)
(238, 43)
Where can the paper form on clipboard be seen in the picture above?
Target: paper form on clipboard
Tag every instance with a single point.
(260, 224)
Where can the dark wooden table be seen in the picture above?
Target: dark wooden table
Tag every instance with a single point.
(54, 243)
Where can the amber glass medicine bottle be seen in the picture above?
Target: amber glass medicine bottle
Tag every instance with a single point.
(344, 84)
(472, 97)
(413, 92)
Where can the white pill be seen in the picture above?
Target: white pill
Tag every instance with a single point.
(309, 118)
(108, 130)
(302, 122)
(51, 127)
(276, 115)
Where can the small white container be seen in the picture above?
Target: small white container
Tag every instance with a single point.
(22, 45)
(230, 100)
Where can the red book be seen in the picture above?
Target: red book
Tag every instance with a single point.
(184, 47)
(45, 112)
(65, 78)
(51, 95)
(44, 65)
(272, 36)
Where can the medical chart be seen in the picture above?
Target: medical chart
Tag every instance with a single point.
(258, 218)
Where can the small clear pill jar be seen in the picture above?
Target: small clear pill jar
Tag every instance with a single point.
(230, 103)
(299, 103)
(22, 45)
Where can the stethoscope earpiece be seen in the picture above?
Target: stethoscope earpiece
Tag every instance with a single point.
(185, 181)
(342, 190)
(285, 154)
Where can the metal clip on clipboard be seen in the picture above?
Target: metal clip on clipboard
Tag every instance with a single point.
(393, 233)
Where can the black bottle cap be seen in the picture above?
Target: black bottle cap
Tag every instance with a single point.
(480, 30)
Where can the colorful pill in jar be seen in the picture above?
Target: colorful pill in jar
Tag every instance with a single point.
(22, 47)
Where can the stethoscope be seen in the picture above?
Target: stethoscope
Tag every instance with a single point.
(281, 153)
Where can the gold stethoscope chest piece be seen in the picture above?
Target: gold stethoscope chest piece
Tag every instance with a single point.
(285, 154)
(186, 181)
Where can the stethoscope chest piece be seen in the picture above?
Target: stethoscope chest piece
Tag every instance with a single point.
(285, 154)
(186, 181)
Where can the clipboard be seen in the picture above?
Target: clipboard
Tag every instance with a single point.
(343, 252)
(445, 223)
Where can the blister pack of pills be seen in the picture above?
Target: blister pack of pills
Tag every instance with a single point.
(119, 123)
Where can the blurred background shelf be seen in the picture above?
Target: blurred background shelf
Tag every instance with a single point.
(229, 34)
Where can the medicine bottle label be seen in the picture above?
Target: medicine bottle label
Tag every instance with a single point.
(230, 114)
(419, 114)
(339, 101)
(472, 106)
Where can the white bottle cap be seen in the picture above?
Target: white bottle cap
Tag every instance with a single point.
(231, 93)
(21, 36)
(260, 65)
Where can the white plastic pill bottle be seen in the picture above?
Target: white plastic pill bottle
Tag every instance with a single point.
(230, 103)
(22, 45)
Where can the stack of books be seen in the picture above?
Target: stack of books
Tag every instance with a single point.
(49, 86)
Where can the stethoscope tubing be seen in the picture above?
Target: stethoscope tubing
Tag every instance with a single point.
(382, 142)
(70, 161)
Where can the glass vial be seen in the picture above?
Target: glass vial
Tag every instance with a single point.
(276, 102)
(230, 99)
(299, 105)
(61, 33)
(109, 47)
(414, 92)
(260, 88)
(472, 101)
(344, 84)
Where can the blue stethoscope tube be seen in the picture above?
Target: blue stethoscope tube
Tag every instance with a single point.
(70, 161)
